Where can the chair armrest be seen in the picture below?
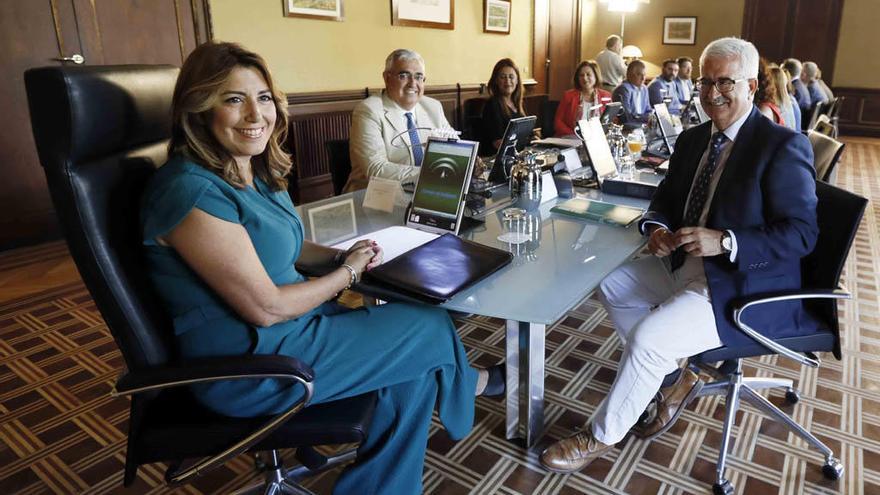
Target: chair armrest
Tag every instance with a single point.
(741, 306)
(222, 368)
(213, 369)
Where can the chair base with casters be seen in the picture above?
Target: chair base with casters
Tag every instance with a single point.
(735, 387)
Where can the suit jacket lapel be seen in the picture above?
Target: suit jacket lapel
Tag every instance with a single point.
(390, 110)
(740, 146)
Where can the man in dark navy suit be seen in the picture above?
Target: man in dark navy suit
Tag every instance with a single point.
(801, 93)
(733, 217)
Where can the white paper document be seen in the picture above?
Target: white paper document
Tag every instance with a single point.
(394, 241)
(382, 194)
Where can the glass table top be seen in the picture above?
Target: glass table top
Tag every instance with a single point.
(561, 261)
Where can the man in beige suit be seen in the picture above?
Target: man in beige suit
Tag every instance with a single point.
(383, 127)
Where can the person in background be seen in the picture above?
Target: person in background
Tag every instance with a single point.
(576, 102)
(810, 77)
(795, 108)
(388, 131)
(785, 101)
(505, 103)
(825, 89)
(801, 95)
(221, 241)
(610, 62)
(684, 83)
(633, 94)
(663, 86)
(768, 96)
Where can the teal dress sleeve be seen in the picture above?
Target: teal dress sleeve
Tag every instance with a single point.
(172, 202)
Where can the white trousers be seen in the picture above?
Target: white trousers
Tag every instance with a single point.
(661, 317)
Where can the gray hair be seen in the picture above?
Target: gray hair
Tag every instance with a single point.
(793, 66)
(811, 70)
(402, 54)
(612, 40)
(740, 49)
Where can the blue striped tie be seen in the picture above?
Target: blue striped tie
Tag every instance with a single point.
(699, 193)
(414, 140)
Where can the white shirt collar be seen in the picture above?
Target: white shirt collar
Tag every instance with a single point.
(733, 129)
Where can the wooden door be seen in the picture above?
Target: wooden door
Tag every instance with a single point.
(803, 29)
(39, 33)
(556, 45)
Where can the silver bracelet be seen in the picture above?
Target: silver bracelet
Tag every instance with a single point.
(354, 278)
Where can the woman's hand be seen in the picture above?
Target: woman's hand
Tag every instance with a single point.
(363, 255)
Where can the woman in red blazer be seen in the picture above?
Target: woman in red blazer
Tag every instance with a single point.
(576, 102)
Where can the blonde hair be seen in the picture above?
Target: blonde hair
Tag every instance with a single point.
(202, 77)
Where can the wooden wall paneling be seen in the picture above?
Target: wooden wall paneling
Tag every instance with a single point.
(765, 23)
(31, 34)
(814, 32)
(804, 29)
(860, 112)
(563, 46)
(541, 33)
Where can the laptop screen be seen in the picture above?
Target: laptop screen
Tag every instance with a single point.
(438, 200)
(598, 149)
(668, 128)
(704, 117)
(516, 137)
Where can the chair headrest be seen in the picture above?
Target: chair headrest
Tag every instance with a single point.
(81, 113)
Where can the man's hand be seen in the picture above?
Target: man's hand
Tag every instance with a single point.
(699, 241)
(661, 241)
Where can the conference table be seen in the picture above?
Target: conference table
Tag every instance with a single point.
(563, 260)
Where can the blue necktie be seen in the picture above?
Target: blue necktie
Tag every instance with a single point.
(414, 140)
(699, 193)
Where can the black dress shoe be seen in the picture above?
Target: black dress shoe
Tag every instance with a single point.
(497, 383)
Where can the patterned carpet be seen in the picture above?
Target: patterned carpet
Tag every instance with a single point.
(61, 432)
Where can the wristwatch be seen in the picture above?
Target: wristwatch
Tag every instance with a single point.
(726, 242)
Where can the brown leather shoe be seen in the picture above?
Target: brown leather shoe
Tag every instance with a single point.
(671, 401)
(574, 453)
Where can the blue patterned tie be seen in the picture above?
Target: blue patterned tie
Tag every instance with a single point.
(414, 140)
(699, 193)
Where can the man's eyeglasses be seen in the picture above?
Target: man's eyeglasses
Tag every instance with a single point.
(723, 84)
(406, 76)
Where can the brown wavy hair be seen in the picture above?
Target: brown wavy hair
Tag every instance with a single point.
(517, 95)
(767, 90)
(202, 77)
(594, 66)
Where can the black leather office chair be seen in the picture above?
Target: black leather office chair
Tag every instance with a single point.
(839, 215)
(472, 118)
(100, 133)
(548, 115)
(340, 163)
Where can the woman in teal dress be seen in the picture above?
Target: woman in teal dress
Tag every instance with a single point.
(221, 239)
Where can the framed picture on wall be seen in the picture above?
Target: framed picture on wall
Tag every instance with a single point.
(679, 30)
(329, 10)
(439, 14)
(496, 16)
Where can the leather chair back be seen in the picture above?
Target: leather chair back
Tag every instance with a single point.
(100, 132)
(826, 153)
(548, 116)
(839, 214)
(340, 163)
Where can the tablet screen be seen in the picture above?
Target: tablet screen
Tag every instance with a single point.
(446, 171)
